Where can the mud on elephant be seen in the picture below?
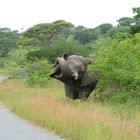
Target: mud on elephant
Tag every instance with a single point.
(72, 71)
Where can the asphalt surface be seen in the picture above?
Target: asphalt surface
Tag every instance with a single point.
(2, 79)
(15, 128)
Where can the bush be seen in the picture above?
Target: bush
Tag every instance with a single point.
(119, 64)
(2, 63)
(39, 73)
(120, 97)
(58, 48)
(15, 63)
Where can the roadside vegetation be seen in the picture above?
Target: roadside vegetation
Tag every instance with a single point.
(112, 110)
(73, 120)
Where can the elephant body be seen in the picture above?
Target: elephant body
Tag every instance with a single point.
(72, 71)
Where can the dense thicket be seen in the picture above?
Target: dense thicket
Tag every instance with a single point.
(119, 65)
(58, 48)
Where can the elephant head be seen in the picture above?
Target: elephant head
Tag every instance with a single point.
(72, 71)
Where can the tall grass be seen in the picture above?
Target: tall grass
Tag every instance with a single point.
(73, 120)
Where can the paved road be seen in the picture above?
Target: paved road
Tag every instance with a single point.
(2, 79)
(15, 128)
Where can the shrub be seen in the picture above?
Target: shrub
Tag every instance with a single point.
(58, 49)
(2, 63)
(119, 64)
(39, 73)
(120, 97)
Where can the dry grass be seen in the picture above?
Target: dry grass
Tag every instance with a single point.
(73, 120)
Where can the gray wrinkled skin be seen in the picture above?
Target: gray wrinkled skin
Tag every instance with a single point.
(72, 71)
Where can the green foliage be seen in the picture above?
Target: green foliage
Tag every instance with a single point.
(84, 35)
(2, 63)
(8, 41)
(120, 97)
(119, 65)
(105, 27)
(120, 36)
(135, 29)
(15, 62)
(39, 73)
(42, 35)
(102, 30)
(58, 48)
(118, 30)
(125, 21)
(137, 12)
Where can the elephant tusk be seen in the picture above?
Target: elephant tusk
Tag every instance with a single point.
(76, 77)
(59, 76)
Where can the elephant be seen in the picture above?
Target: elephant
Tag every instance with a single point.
(72, 71)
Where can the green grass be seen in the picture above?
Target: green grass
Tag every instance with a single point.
(73, 120)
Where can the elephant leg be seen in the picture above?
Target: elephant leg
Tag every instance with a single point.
(70, 92)
(92, 86)
(84, 93)
(86, 90)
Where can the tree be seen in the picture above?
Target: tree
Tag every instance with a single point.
(59, 47)
(105, 27)
(125, 21)
(137, 11)
(42, 35)
(8, 40)
(136, 27)
(84, 35)
(119, 30)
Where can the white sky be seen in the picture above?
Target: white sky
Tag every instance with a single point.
(17, 14)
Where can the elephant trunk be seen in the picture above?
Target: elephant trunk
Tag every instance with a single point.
(61, 69)
(65, 70)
